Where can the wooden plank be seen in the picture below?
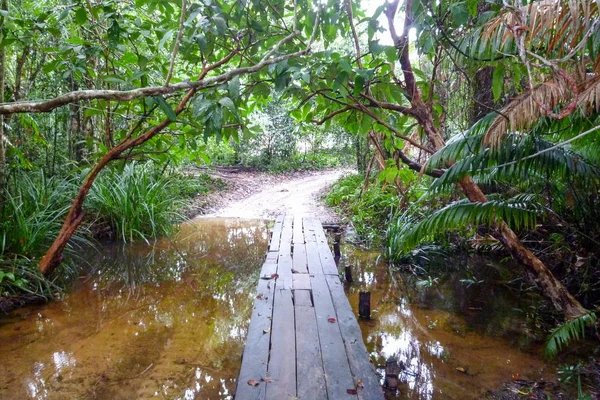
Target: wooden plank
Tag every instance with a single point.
(338, 377)
(282, 358)
(256, 351)
(302, 298)
(285, 245)
(358, 357)
(311, 378)
(299, 258)
(276, 234)
(327, 261)
(313, 260)
(318, 229)
(301, 281)
(309, 230)
(284, 270)
(298, 235)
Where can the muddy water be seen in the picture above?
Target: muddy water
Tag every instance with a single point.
(453, 339)
(168, 320)
(161, 321)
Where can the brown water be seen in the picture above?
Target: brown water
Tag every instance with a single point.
(169, 320)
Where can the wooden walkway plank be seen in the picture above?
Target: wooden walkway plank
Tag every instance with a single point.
(328, 265)
(358, 356)
(299, 258)
(335, 362)
(285, 243)
(256, 351)
(313, 260)
(276, 234)
(282, 361)
(310, 382)
(298, 235)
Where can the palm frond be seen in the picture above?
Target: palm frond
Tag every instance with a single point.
(568, 332)
(524, 111)
(519, 211)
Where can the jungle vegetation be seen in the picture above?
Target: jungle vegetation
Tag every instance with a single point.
(477, 116)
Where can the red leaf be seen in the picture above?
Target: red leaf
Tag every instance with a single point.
(254, 383)
(274, 276)
(331, 319)
(351, 391)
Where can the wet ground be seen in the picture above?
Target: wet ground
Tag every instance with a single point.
(168, 320)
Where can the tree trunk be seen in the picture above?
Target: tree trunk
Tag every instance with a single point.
(3, 6)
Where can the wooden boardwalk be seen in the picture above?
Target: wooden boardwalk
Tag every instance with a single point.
(303, 341)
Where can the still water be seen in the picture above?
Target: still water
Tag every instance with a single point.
(168, 320)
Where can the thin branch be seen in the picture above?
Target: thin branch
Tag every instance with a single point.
(354, 34)
(177, 40)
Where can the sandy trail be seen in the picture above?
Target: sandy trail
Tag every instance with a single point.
(298, 194)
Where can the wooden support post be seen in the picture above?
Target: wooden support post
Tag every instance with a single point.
(392, 370)
(364, 305)
(337, 238)
(348, 273)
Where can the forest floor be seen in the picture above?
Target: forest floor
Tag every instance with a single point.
(255, 194)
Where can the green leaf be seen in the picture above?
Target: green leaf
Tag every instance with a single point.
(80, 16)
(166, 107)
(233, 87)
(498, 81)
(220, 24)
(228, 104)
(459, 12)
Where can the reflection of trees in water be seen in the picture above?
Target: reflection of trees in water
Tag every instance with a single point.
(209, 250)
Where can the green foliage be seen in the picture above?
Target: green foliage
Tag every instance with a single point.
(569, 331)
(136, 202)
(406, 232)
(370, 211)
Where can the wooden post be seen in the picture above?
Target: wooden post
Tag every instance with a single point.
(392, 369)
(348, 273)
(336, 247)
(364, 305)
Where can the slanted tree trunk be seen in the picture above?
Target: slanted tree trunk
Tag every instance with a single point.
(550, 286)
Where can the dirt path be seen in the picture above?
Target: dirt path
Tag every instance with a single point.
(259, 195)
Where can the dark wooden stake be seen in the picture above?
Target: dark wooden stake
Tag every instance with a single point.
(364, 305)
(392, 369)
(348, 273)
(336, 247)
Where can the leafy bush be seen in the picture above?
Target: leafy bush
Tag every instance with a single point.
(370, 211)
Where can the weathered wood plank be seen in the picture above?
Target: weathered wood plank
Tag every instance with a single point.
(301, 281)
(256, 351)
(335, 362)
(313, 260)
(284, 270)
(358, 356)
(299, 258)
(276, 234)
(285, 245)
(302, 298)
(311, 378)
(282, 358)
(298, 236)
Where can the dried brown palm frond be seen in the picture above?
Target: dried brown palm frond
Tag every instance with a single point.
(552, 27)
(524, 111)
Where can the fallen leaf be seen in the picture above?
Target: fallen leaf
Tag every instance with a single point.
(274, 276)
(294, 271)
(331, 319)
(461, 369)
(260, 296)
(516, 377)
(266, 330)
(267, 379)
(254, 383)
(351, 391)
(359, 384)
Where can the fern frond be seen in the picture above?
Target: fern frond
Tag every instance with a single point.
(566, 333)
(518, 212)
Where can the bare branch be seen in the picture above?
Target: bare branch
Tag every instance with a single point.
(176, 45)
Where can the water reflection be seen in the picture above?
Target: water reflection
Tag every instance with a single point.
(452, 340)
(167, 319)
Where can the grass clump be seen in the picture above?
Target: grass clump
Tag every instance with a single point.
(138, 202)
